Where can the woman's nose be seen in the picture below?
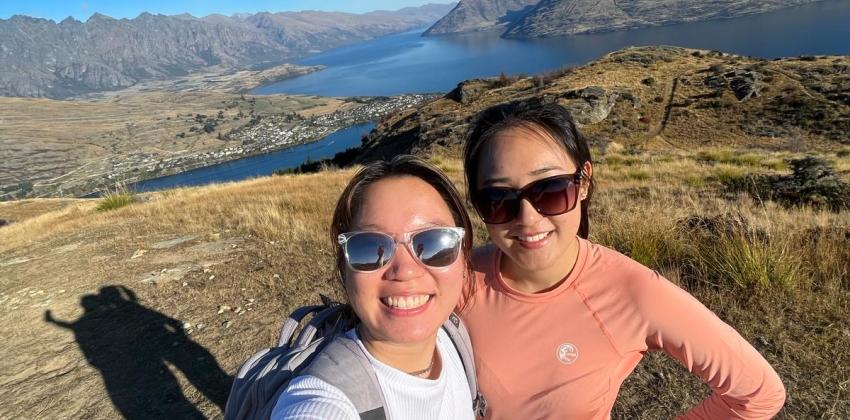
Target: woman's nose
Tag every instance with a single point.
(403, 266)
(528, 215)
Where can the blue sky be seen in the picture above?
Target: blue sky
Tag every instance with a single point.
(82, 9)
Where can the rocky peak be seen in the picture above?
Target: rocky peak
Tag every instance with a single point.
(480, 15)
(68, 21)
(97, 17)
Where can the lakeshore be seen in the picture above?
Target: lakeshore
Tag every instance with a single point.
(264, 135)
(123, 138)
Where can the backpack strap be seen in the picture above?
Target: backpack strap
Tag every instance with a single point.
(291, 323)
(343, 364)
(459, 335)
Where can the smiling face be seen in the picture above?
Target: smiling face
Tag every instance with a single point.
(404, 301)
(537, 246)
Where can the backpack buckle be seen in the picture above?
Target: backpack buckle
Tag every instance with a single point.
(479, 405)
(327, 301)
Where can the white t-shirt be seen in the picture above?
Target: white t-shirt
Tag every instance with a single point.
(407, 397)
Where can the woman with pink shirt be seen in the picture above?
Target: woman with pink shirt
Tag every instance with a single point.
(558, 322)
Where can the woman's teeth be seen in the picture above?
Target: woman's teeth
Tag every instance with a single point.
(533, 238)
(405, 302)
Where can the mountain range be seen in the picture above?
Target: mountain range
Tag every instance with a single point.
(545, 18)
(42, 58)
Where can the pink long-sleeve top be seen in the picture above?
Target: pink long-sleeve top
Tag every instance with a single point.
(565, 352)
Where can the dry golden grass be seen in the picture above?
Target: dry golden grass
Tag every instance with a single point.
(20, 210)
(778, 275)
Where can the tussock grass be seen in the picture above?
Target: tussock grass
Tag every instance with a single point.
(747, 244)
(115, 200)
(746, 261)
(624, 160)
(730, 157)
(724, 174)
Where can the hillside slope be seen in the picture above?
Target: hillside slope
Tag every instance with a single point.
(650, 96)
(544, 18)
(568, 17)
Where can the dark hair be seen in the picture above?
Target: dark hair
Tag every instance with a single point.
(554, 119)
(351, 201)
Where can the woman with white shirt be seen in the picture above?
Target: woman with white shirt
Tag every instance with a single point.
(403, 247)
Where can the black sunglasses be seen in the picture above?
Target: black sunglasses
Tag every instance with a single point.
(549, 196)
(433, 247)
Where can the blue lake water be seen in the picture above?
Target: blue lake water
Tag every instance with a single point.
(408, 62)
(264, 164)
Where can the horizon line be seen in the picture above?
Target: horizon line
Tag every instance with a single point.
(235, 14)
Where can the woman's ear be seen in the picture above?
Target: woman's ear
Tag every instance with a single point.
(587, 174)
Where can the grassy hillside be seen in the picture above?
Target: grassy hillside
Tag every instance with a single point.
(226, 262)
(145, 306)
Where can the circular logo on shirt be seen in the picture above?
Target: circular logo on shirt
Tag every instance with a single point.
(567, 353)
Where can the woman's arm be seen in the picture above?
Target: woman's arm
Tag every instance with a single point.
(310, 398)
(745, 386)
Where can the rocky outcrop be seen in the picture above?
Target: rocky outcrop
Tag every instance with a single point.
(481, 15)
(42, 58)
(467, 91)
(568, 17)
(745, 84)
(593, 104)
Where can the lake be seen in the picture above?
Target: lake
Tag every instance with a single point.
(410, 63)
(260, 165)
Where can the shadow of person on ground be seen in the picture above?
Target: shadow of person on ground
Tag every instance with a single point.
(130, 345)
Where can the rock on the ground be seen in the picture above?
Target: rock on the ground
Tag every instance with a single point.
(170, 243)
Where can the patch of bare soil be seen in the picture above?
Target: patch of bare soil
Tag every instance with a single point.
(98, 325)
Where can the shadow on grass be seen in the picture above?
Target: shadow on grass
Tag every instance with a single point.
(131, 344)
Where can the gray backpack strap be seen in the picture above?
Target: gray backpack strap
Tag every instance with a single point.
(291, 323)
(343, 364)
(260, 381)
(459, 335)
